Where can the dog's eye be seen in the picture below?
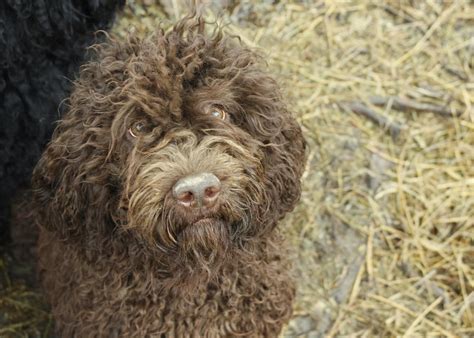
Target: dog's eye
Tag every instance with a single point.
(218, 113)
(137, 129)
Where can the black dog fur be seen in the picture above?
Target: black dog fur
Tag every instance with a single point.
(42, 45)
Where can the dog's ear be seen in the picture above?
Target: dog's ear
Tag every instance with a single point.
(283, 163)
(71, 182)
(75, 183)
(268, 120)
(285, 160)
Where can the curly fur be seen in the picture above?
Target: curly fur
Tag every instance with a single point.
(42, 44)
(118, 257)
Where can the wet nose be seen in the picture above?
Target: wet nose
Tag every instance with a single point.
(198, 190)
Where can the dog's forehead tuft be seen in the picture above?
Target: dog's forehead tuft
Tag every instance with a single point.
(175, 72)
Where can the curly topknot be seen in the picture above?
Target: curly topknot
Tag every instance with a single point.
(118, 254)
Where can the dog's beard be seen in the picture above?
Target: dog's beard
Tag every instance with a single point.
(189, 248)
(204, 243)
(201, 249)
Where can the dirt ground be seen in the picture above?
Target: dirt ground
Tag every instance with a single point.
(383, 239)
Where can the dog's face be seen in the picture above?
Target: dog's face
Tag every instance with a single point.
(180, 140)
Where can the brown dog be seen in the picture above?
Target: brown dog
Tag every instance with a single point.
(159, 195)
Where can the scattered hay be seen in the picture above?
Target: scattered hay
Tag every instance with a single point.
(384, 235)
(409, 200)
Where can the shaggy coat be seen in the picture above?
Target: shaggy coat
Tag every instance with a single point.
(118, 255)
(42, 44)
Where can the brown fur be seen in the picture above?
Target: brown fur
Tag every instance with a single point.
(118, 256)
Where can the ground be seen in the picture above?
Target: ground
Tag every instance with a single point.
(383, 239)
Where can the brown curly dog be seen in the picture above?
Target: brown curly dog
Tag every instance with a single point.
(159, 195)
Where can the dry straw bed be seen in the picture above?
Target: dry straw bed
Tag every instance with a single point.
(383, 237)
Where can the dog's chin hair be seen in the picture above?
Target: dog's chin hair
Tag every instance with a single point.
(202, 250)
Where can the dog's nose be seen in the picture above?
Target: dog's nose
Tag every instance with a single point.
(199, 190)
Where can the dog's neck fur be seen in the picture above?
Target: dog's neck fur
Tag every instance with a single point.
(128, 277)
(141, 259)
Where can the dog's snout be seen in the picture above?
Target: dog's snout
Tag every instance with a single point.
(199, 190)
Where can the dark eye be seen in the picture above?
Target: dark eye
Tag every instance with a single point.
(218, 113)
(137, 128)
